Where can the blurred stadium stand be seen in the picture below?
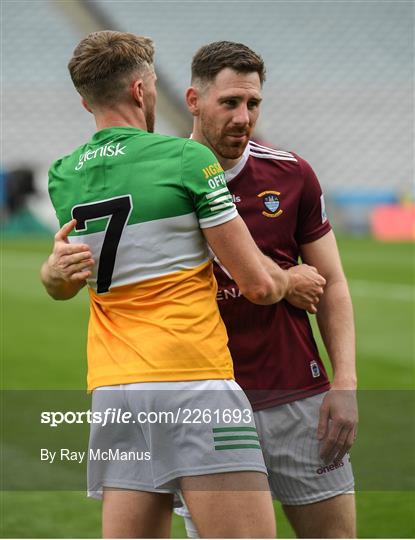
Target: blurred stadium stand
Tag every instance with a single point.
(339, 89)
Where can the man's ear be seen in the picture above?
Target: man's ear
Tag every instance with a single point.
(137, 92)
(86, 106)
(192, 100)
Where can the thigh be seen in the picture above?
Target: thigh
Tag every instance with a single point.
(230, 505)
(331, 518)
(118, 454)
(136, 514)
(297, 475)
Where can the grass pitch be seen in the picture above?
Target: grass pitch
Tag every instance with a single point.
(43, 347)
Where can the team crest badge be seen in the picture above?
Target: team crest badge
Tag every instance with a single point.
(271, 202)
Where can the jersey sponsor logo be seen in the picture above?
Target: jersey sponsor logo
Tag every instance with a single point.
(236, 198)
(216, 181)
(210, 170)
(227, 294)
(108, 150)
(329, 468)
(271, 202)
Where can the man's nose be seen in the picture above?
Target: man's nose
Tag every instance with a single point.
(241, 116)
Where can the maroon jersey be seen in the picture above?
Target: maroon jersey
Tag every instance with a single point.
(275, 356)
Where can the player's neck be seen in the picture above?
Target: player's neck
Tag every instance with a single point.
(118, 118)
(227, 164)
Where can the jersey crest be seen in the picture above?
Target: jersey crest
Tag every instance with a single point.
(271, 202)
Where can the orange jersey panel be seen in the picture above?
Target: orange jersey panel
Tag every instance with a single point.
(162, 329)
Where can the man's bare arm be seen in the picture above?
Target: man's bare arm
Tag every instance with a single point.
(259, 279)
(336, 324)
(65, 271)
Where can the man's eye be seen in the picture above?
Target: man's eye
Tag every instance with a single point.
(230, 102)
(253, 104)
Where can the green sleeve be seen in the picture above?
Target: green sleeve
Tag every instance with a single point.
(62, 214)
(204, 179)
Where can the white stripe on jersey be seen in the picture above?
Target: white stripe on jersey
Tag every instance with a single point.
(220, 206)
(215, 193)
(272, 156)
(270, 151)
(223, 217)
(221, 199)
(266, 149)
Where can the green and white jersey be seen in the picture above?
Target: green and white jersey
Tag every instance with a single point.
(140, 200)
(149, 192)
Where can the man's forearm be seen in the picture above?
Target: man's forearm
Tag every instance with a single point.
(258, 277)
(56, 287)
(336, 323)
(279, 277)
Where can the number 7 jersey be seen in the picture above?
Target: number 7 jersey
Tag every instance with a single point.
(140, 200)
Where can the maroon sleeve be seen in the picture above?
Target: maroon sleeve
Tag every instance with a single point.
(312, 222)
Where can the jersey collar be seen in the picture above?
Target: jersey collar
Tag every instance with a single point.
(236, 169)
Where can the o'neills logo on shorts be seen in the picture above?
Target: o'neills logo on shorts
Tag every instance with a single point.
(331, 467)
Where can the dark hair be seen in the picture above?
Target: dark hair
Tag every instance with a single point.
(102, 61)
(210, 59)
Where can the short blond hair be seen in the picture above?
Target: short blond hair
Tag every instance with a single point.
(103, 63)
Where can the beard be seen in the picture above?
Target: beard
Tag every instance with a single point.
(231, 150)
(224, 146)
(221, 143)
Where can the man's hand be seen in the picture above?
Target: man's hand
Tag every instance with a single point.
(305, 288)
(68, 266)
(69, 262)
(337, 428)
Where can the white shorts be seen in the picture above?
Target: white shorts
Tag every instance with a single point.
(296, 473)
(156, 433)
